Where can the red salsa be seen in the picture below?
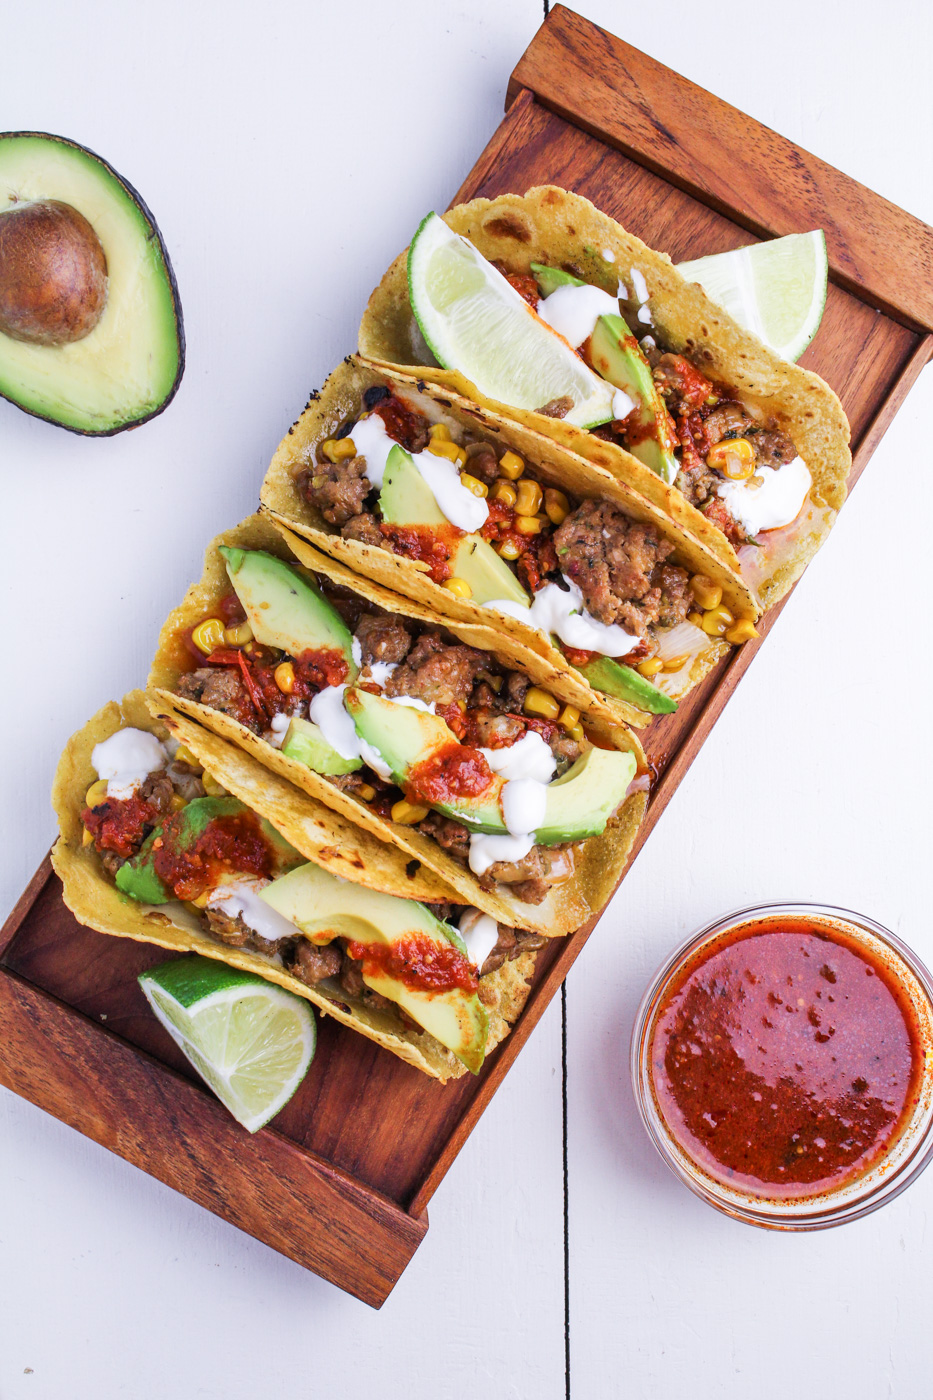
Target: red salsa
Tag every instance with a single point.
(452, 772)
(233, 844)
(120, 825)
(785, 1058)
(418, 962)
(433, 545)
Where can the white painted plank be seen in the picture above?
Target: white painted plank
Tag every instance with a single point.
(288, 151)
(814, 785)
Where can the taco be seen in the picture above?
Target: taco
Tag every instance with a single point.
(662, 388)
(166, 838)
(488, 522)
(410, 726)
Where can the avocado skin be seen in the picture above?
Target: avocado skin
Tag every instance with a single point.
(612, 678)
(155, 237)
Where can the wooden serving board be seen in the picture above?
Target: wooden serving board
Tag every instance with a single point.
(342, 1181)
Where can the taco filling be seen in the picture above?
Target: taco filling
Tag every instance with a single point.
(743, 474)
(164, 831)
(421, 729)
(597, 582)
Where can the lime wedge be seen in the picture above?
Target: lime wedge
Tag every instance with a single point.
(776, 290)
(250, 1041)
(474, 321)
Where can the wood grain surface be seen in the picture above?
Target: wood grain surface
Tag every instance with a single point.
(730, 161)
(342, 1182)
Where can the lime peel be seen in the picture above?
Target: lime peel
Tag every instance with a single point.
(776, 289)
(249, 1040)
(475, 322)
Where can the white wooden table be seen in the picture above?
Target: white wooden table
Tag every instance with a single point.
(288, 151)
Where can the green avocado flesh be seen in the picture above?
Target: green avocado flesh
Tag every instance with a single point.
(324, 908)
(550, 278)
(138, 878)
(305, 743)
(615, 354)
(129, 366)
(578, 805)
(283, 608)
(612, 678)
(406, 499)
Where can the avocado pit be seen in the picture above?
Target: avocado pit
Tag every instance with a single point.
(53, 274)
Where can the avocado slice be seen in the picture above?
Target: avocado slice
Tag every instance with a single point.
(138, 878)
(284, 609)
(103, 353)
(324, 908)
(305, 743)
(612, 678)
(578, 805)
(405, 737)
(616, 355)
(406, 499)
(581, 802)
(550, 278)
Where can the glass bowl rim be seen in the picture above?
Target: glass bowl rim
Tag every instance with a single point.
(825, 1214)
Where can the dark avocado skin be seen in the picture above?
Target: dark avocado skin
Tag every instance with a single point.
(156, 236)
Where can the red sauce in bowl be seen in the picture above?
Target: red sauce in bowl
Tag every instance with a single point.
(786, 1058)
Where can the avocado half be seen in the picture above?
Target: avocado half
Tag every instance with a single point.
(127, 367)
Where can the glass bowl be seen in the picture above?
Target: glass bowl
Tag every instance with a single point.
(887, 1177)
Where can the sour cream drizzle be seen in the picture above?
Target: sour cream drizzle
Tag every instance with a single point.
(480, 933)
(242, 899)
(573, 311)
(563, 614)
(772, 497)
(126, 759)
(461, 507)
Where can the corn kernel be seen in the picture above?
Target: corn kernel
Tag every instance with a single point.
(505, 492)
(239, 635)
(365, 792)
(508, 549)
(734, 457)
(458, 587)
(200, 900)
(540, 704)
(86, 838)
(177, 802)
(511, 465)
(184, 755)
(473, 483)
(530, 524)
(439, 432)
(650, 668)
(212, 787)
(450, 450)
(569, 717)
(707, 593)
(530, 497)
(742, 631)
(339, 449)
(208, 635)
(284, 676)
(576, 732)
(716, 620)
(96, 793)
(556, 506)
(674, 663)
(696, 618)
(409, 812)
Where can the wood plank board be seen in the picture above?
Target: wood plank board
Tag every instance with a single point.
(354, 1159)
